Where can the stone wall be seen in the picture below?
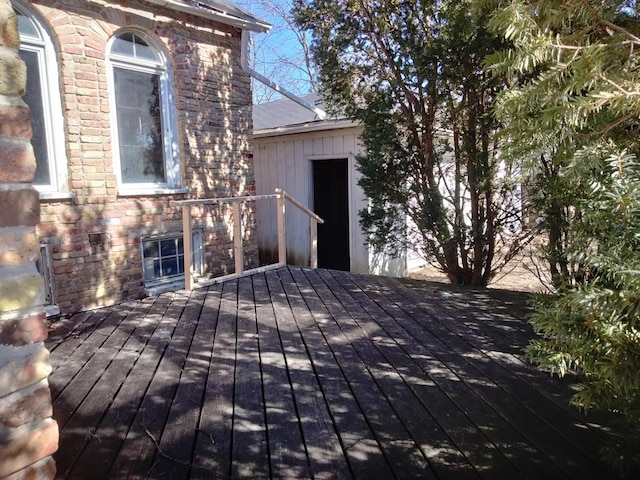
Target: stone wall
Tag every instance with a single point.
(28, 434)
(95, 237)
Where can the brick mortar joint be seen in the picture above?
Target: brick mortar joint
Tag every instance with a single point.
(13, 141)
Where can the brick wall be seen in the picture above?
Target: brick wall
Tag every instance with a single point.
(28, 435)
(95, 237)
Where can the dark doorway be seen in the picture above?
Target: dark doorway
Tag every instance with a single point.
(331, 202)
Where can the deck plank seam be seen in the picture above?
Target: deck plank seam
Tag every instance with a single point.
(285, 316)
(318, 319)
(295, 401)
(381, 320)
(476, 364)
(387, 446)
(359, 313)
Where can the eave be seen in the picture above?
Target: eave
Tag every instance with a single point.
(221, 12)
(309, 127)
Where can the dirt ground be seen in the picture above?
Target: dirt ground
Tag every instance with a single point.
(521, 276)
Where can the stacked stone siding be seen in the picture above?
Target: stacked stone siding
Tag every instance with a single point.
(28, 434)
(95, 237)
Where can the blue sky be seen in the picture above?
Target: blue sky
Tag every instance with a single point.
(278, 54)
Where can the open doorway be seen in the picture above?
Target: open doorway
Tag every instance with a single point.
(331, 202)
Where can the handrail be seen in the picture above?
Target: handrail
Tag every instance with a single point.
(299, 205)
(211, 201)
(280, 196)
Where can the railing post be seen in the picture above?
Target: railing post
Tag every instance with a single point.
(313, 234)
(238, 253)
(187, 238)
(236, 217)
(282, 240)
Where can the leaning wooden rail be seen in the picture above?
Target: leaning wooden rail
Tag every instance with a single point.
(280, 196)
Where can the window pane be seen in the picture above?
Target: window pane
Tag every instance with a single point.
(123, 45)
(139, 126)
(33, 98)
(164, 259)
(131, 45)
(150, 249)
(169, 266)
(168, 247)
(142, 50)
(151, 268)
(26, 27)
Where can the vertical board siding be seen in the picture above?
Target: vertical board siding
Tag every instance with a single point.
(283, 161)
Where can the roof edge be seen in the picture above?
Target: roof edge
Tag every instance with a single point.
(305, 128)
(212, 10)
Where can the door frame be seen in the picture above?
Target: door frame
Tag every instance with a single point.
(350, 158)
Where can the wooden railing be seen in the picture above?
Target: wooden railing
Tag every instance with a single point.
(238, 251)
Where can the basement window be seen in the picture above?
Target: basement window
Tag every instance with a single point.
(45, 267)
(163, 261)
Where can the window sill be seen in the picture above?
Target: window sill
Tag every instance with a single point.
(154, 288)
(145, 192)
(56, 196)
(52, 310)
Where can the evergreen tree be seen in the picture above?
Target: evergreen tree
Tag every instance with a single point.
(574, 113)
(411, 72)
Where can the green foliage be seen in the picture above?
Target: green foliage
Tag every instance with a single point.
(575, 81)
(573, 113)
(579, 66)
(412, 73)
(594, 328)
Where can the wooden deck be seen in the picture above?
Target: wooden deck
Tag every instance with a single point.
(300, 373)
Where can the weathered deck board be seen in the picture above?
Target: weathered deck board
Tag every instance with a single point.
(300, 373)
(193, 353)
(442, 417)
(361, 449)
(287, 451)
(557, 392)
(441, 367)
(95, 354)
(213, 441)
(138, 451)
(249, 452)
(99, 455)
(69, 357)
(520, 402)
(365, 374)
(321, 441)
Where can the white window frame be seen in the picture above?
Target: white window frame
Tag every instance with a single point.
(168, 117)
(52, 105)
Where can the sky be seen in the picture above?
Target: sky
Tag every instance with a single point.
(278, 54)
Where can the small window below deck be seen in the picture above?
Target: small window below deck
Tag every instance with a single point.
(163, 261)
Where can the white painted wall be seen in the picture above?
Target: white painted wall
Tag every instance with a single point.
(284, 161)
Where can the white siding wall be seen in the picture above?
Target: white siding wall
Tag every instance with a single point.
(284, 161)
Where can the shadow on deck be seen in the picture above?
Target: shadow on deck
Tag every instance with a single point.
(300, 373)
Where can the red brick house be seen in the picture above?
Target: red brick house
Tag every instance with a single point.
(135, 105)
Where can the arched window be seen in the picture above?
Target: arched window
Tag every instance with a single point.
(43, 98)
(145, 147)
